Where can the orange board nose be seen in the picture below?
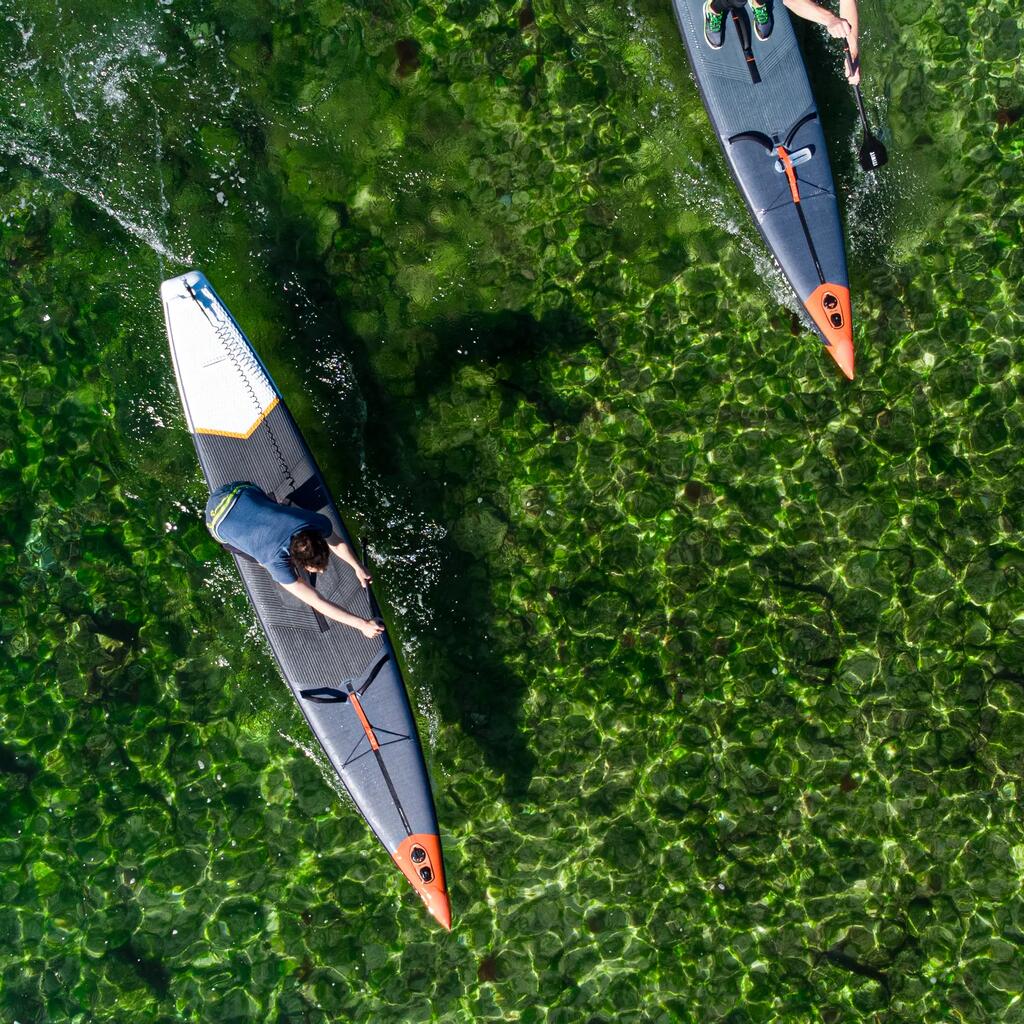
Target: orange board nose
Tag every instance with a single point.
(829, 306)
(419, 857)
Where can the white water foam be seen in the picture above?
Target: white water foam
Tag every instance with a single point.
(100, 132)
(319, 758)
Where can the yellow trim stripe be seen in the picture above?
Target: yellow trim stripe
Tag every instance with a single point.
(230, 433)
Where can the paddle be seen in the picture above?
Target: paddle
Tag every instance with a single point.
(872, 153)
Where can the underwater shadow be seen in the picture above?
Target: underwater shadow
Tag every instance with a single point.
(487, 700)
(510, 342)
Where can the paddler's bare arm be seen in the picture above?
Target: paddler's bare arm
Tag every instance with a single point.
(346, 554)
(304, 592)
(843, 27)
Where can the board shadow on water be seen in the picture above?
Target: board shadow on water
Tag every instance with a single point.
(461, 663)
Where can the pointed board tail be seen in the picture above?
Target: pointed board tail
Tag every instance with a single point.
(829, 306)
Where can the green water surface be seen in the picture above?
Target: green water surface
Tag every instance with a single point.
(718, 657)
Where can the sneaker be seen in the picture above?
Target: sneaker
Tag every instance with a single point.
(764, 20)
(714, 26)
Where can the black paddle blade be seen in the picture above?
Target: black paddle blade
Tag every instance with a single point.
(872, 154)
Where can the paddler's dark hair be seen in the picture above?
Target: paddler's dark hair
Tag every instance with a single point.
(309, 550)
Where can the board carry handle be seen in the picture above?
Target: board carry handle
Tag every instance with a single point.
(324, 695)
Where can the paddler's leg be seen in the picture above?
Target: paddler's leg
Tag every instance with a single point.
(221, 502)
(714, 24)
(764, 20)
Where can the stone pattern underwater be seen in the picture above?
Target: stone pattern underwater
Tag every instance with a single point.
(719, 658)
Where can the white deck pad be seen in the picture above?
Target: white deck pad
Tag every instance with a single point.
(224, 387)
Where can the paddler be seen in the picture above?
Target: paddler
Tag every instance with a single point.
(285, 540)
(843, 27)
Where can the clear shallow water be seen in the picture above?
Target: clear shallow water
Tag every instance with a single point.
(719, 657)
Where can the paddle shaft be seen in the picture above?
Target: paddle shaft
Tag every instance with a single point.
(872, 153)
(860, 107)
(856, 87)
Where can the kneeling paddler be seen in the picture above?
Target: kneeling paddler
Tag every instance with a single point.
(285, 539)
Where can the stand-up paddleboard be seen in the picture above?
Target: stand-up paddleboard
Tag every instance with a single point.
(349, 687)
(761, 107)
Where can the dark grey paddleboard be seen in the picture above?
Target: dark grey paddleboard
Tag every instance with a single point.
(773, 141)
(349, 687)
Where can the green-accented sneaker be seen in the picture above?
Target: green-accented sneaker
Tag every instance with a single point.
(714, 26)
(764, 20)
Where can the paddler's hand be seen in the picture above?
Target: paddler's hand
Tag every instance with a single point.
(838, 28)
(371, 628)
(362, 575)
